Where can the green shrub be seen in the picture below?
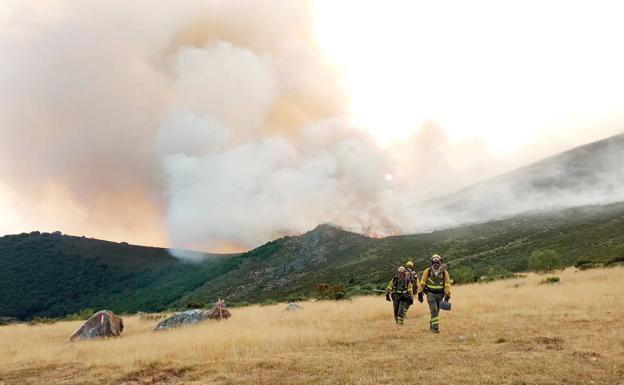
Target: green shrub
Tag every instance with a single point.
(41, 320)
(615, 260)
(268, 302)
(194, 305)
(463, 274)
(553, 279)
(544, 261)
(585, 263)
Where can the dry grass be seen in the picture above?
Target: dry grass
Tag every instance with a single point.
(570, 333)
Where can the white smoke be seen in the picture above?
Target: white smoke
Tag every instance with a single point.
(215, 125)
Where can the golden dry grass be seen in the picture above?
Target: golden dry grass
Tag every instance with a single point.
(572, 333)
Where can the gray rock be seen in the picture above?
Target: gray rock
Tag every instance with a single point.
(293, 307)
(183, 318)
(463, 339)
(195, 316)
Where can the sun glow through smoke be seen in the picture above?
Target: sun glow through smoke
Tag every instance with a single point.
(497, 71)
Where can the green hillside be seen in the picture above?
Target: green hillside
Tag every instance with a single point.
(292, 266)
(53, 275)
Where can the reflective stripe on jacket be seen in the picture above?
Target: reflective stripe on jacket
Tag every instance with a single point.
(399, 287)
(433, 283)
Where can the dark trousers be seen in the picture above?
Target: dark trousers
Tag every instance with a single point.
(401, 303)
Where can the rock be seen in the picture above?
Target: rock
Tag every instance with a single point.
(463, 339)
(183, 318)
(219, 311)
(104, 323)
(293, 307)
(191, 317)
(8, 320)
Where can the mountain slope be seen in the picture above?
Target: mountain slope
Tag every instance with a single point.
(53, 275)
(585, 175)
(292, 266)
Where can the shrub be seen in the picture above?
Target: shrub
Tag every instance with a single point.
(268, 302)
(327, 291)
(585, 263)
(553, 279)
(544, 261)
(463, 274)
(194, 305)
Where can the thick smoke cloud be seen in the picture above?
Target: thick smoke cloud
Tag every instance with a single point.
(223, 118)
(215, 125)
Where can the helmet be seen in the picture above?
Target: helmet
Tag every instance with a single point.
(409, 264)
(401, 269)
(436, 257)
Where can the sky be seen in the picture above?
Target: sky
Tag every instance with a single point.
(220, 125)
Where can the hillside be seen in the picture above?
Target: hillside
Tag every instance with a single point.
(53, 275)
(504, 332)
(291, 266)
(586, 175)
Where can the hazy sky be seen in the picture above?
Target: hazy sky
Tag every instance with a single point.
(220, 125)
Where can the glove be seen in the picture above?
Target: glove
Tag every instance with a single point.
(388, 297)
(420, 297)
(447, 297)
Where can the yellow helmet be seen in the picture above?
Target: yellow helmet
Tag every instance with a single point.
(435, 257)
(409, 264)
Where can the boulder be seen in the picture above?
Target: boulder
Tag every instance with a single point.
(8, 320)
(293, 307)
(104, 323)
(219, 311)
(183, 318)
(191, 317)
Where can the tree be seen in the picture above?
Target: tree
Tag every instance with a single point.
(544, 261)
(463, 274)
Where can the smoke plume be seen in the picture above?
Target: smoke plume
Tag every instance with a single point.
(215, 125)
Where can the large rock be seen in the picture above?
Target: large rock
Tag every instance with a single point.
(194, 316)
(104, 323)
(183, 318)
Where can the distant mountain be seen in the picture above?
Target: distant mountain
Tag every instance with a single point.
(586, 175)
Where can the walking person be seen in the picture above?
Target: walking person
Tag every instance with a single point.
(400, 292)
(436, 285)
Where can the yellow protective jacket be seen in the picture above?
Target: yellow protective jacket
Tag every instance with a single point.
(397, 287)
(435, 284)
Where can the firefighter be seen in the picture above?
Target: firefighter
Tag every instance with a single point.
(409, 267)
(412, 275)
(436, 284)
(400, 292)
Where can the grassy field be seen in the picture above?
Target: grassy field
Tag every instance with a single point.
(506, 332)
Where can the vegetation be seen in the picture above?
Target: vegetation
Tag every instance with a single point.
(54, 275)
(326, 291)
(553, 279)
(544, 261)
(463, 274)
(550, 332)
